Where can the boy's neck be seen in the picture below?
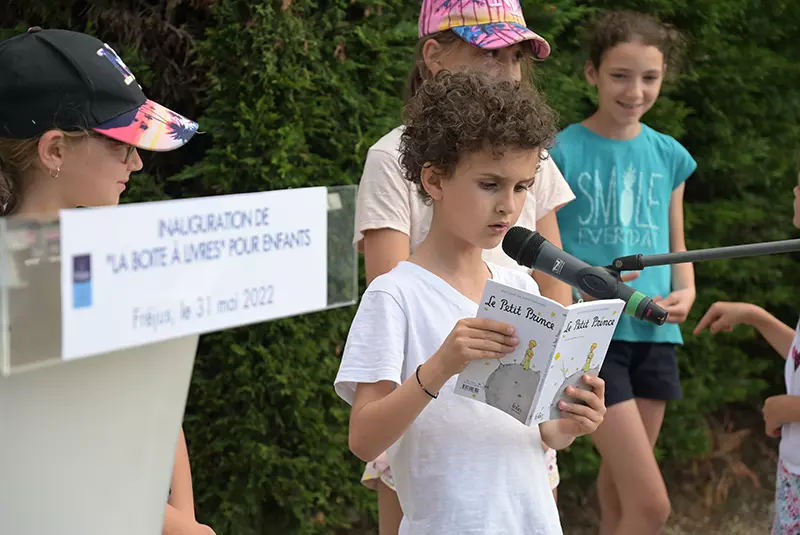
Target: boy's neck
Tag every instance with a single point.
(605, 126)
(451, 258)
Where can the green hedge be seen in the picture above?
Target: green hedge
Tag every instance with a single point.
(292, 93)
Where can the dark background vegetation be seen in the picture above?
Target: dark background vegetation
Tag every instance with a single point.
(291, 93)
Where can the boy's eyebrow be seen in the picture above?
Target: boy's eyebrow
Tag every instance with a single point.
(505, 178)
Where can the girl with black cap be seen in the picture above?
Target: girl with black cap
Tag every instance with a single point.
(72, 119)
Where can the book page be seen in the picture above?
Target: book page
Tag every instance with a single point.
(512, 382)
(580, 350)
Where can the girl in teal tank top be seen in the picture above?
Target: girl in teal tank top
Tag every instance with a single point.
(629, 180)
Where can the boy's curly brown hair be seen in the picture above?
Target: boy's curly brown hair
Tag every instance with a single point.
(455, 114)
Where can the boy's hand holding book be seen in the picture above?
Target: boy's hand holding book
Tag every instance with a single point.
(577, 419)
(580, 419)
(471, 339)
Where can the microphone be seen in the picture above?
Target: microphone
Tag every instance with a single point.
(530, 249)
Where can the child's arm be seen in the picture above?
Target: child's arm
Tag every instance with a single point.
(384, 248)
(383, 213)
(381, 413)
(181, 495)
(177, 523)
(179, 518)
(779, 411)
(679, 302)
(778, 334)
(724, 316)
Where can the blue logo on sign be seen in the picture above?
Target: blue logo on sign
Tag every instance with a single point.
(82, 281)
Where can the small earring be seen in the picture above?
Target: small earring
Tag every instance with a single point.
(58, 172)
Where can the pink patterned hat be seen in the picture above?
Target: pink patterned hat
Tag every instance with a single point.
(73, 81)
(489, 24)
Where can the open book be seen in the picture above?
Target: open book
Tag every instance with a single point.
(557, 346)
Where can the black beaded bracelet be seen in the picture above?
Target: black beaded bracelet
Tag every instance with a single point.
(422, 387)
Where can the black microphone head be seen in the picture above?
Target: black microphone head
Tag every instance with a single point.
(654, 313)
(523, 245)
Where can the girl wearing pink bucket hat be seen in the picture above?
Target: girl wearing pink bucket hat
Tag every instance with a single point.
(391, 220)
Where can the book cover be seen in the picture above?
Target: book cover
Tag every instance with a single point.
(528, 382)
(579, 349)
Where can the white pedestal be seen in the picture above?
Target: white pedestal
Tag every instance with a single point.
(83, 444)
(88, 432)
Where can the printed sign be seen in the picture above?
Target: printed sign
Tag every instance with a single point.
(142, 273)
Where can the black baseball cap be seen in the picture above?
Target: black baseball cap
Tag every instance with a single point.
(73, 81)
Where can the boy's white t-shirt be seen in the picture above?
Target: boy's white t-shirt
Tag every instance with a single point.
(387, 200)
(462, 467)
(790, 433)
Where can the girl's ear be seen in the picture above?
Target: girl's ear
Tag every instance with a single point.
(590, 72)
(52, 148)
(432, 181)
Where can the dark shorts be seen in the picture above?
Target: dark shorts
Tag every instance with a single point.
(640, 370)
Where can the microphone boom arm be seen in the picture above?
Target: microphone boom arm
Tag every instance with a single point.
(638, 261)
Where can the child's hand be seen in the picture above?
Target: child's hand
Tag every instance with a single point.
(629, 276)
(778, 411)
(724, 316)
(579, 419)
(475, 339)
(677, 304)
